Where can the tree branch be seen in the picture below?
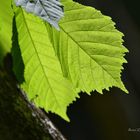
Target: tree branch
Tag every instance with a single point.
(20, 119)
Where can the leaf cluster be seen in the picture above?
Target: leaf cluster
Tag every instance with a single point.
(53, 66)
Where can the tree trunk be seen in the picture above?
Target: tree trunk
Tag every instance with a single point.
(19, 118)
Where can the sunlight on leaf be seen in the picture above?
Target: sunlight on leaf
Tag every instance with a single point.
(43, 75)
(89, 48)
(85, 55)
(6, 15)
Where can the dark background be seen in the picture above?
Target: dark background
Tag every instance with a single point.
(112, 115)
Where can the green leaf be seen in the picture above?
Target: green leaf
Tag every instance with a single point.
(89, 48)
(86, 55)
(6, 15)
(44, 81)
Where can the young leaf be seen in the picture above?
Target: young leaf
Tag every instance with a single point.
(89, 48)
(6, 15)
(49, 10)
(44, 81)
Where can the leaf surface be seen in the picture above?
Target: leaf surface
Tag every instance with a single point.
(6, 15)
(89, 48)
(44, 81)
(86, 55)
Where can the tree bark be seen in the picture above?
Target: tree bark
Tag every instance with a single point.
(19, 118)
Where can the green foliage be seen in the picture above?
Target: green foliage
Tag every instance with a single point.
(43, 75)
(6, 16)
(85, 55)
(89, 48)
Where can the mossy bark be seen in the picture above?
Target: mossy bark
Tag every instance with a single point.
(19, 118)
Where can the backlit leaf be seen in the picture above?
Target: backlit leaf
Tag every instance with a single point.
(89, 48)
(44, 81)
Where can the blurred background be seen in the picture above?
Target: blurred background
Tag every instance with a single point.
(114, 115)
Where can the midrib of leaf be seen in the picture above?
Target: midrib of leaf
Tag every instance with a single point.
(92, 31)
(80, 69)
(100, 43)
(92, 75)
(90, 56)
(75, 9)
(63, 22)
(39, 59)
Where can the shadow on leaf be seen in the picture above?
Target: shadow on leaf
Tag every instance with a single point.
(18, 65)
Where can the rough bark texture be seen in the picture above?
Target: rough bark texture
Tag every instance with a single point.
(19, 118)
